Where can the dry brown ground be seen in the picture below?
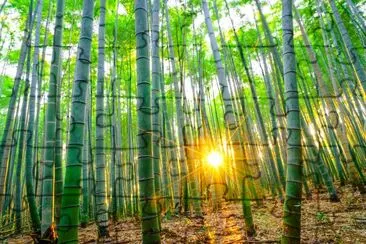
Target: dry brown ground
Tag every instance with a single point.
(322, 222)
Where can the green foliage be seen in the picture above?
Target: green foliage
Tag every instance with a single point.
(12, 56)
(6, 86)
(322, 217)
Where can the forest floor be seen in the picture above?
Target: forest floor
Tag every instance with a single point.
(322, 222)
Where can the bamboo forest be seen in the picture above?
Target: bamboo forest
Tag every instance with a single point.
(183, 121)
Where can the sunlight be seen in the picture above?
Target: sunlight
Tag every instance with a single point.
(312, 130)
(215, 159)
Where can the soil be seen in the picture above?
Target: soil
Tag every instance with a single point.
(322, 222)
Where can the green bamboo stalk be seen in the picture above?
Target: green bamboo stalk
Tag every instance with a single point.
(155, 98)
(36, 156)
(68, 227)
(84, 212)
(356, 12)
(292, 205)
(100, 190)
(150, 219)
(352, 54)
(170, 168)
(10, 171)
(50, 139)
(36, 224)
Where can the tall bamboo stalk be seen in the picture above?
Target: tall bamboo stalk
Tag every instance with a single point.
(292, 205)
(100, 189)
(68, 227)
(150, 218)
(50, 139)
(36, 224)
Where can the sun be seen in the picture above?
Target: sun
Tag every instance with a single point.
(215, 159)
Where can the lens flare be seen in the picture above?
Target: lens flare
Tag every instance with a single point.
(215, 159)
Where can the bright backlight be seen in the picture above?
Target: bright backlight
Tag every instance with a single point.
(214, 159)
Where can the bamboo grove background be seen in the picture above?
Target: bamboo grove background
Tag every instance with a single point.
(109, 108)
